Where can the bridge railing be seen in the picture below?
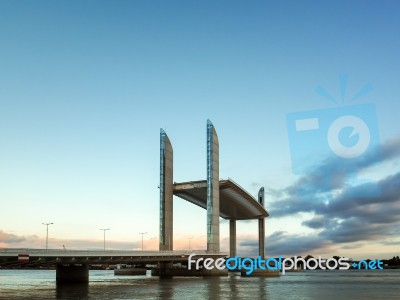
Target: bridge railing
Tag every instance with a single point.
(62, 252)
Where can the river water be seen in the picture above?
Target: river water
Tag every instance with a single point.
(325, 285)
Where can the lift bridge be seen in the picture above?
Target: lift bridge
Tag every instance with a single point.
(221, 198)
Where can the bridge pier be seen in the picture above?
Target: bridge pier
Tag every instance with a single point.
(261, 226)
(166, 193)
(232, 238)
(163, 269)
(212, 189)
(261, 237)
(72, 273)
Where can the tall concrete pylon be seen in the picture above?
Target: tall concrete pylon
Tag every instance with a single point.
(212, 189)
(166, 192)
(261, 226)
(232, 238)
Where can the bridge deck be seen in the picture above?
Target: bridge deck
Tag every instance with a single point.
(40, 257)
(235, 203)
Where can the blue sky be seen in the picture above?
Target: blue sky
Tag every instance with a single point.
(85, 87)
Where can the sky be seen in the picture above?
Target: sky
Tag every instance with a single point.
(85, 87)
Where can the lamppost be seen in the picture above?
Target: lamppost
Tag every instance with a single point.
(142, 233)
(104, 237)
(189, 241)
(47, 233)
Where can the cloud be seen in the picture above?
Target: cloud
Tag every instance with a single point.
(391, 243)
(282, 243)
(332, 174)
(391, 148)
(341, 213)
(9, 238)
(345, 200)
(318, 222)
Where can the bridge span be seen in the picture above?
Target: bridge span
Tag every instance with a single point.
(43, 257)
(221, 198)
(73, 265)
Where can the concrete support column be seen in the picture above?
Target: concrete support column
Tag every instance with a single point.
(212, 189)
(166, 193)
(261, 226)
(261, 237)
(72, 273)
(163, 269)
(232, 238)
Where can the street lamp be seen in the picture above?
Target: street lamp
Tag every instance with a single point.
(104, 237)
(189, 241)
(47, 233)
(142, 233)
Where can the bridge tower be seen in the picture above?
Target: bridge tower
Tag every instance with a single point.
(166, 193)
(212, 189)
(261, 225)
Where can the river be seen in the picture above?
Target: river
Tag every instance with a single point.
(326, 285)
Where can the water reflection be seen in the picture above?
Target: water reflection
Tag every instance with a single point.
(213, 287)
(72, 290)
(166, 288)
(261, 283)
(40, 284)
